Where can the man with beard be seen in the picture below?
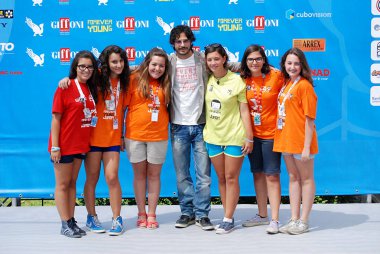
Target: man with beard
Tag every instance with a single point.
(189, 78)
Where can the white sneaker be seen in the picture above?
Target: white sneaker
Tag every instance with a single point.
(256, 221)
(284, 228)
(273, 227)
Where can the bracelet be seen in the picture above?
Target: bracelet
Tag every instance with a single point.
(249, 140)
(55, 149)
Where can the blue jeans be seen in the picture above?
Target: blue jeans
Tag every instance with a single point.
(193, 202)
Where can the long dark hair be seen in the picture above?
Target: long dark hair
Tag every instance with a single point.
(164, 80)
(245, 72)
(92, 82)
(305, 70)
(105, 72)
(216, 47)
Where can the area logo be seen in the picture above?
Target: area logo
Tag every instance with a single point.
(167, 27)
(6, 14)
(102, 2)
(133, 54)
(37, 59)
(232, 57)
(37, 29)
(320, 74)
(65, 25)
(260, 23)
(230, 24)
(64, 55)
(291, 14)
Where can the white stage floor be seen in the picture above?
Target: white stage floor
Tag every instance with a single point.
(345, 228)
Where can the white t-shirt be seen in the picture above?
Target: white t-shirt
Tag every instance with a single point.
(185, 101)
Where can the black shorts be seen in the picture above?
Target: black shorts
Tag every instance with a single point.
(263, 159)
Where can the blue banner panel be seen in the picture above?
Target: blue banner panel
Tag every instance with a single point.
(341, 40)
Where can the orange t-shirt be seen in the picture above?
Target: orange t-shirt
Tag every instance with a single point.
(103, 134)
(269, 86)
(302, 102)
(139, 124)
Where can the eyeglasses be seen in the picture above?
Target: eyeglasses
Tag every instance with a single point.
(257, 60)
(213, 46)
(83, 67)
(180, 42)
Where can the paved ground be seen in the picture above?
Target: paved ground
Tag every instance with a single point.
(346, 228)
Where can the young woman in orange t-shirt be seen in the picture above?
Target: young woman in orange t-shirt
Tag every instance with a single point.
(146, 137)
(296, 137)
(263, 85)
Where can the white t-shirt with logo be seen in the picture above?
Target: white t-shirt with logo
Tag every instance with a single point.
(185, 106)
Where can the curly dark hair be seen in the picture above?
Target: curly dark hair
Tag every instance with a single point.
(105, 71)
(176, 31)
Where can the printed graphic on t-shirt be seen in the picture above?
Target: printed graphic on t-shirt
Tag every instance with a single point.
(186, 78)
(216, 105)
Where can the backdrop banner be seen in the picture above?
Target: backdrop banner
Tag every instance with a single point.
(341, 40)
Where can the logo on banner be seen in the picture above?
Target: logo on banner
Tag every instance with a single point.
(64, 55)
(375, 96)
(232, 57)
(310, 45)
(37, 29)
(129, 1)
(96, 52)
(3, 24)
(6, 48)
(375, 7)
(6, 14)
(130, 24)
(102, 2)
(165, 26)
(134, 54)
(197, 48)
(375, 73)
(291, 14)
(37, 2)
(375, 27)
(260, 23)
(230, 24)
(233, 2)
(64, 2)
(65, 25)
(37, 59)
(375, 50)
(99, 25)
(271, 52)
(195, 23)
(320, 74)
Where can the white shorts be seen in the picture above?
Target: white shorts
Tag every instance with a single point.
(153, 152)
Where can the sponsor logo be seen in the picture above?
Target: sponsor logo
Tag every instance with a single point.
(3, 24)
(375, 96)
(375, 7)
(129, 1)
(232, 57)
(165, 26)
(271, 52)
(195, 23)
(375, 50)
(96, 52)
(130, 24)
(291, 14)
(320, 74)
(102, 2)
(233, 2)
(99, 25)
(260, 23)
(37, 59)
(65, 25)
(6, 48)
(375, 73)
(64, 2)
(64, 55)
(230, 24)
(375, 27)
(6, 14)
(197, 48)
(10, 72)
(134, 54)
(37, 29)
(37, 2)
(310, 44)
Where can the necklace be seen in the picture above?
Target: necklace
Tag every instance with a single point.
(218, 79)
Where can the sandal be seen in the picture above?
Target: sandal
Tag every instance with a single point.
(141, 220)
(152, 224)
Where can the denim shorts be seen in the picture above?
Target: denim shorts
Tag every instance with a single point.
(263, 159)
(215, 150)
(70, 158)
(298, 156)
(105, 149)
